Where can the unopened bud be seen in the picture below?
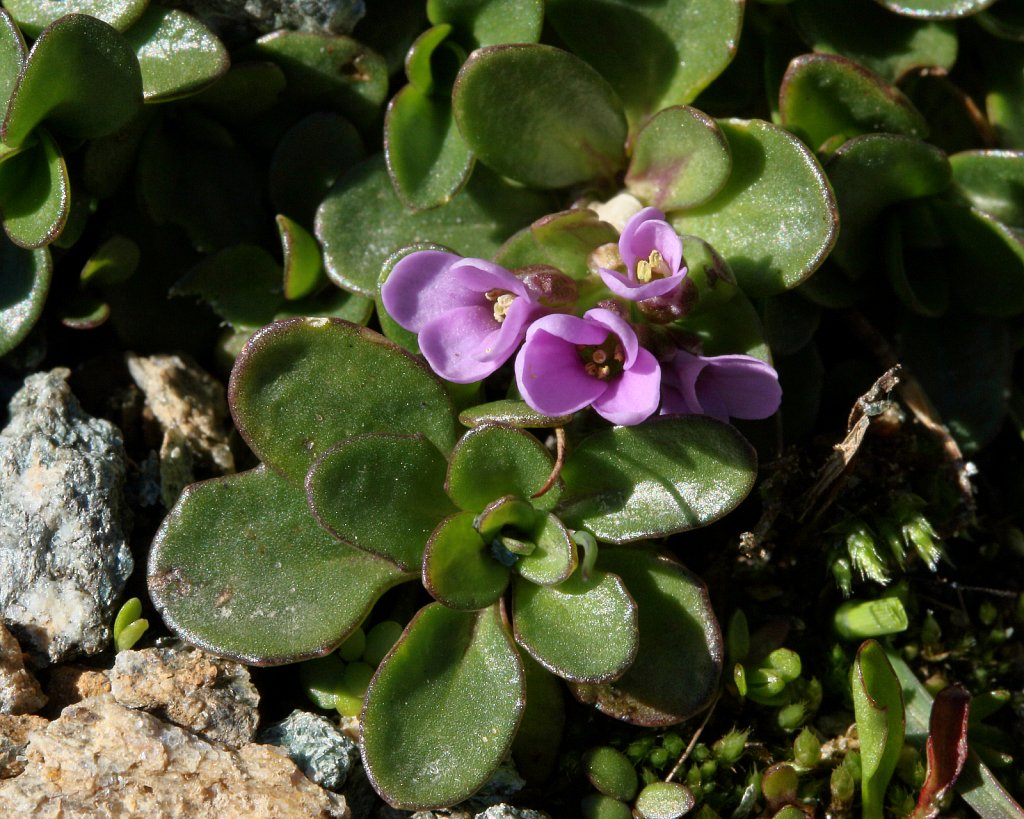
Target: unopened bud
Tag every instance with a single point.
(549, 285)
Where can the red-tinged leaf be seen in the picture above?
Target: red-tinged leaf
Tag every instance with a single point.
(947, 749)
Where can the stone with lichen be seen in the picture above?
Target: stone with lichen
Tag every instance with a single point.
(100, 759)
(236, 19)
(316, 745)
(209, 695)
(64, 555)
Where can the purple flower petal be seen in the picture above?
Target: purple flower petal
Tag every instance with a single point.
(728, 386)
(418, 290)
(630, 252)
(480, 276)
(451, 343)
(630, 288)
(620, 327)
(633, 396)
(550, 374)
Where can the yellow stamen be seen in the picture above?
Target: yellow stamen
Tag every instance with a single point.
(502, 302)
(653, 267)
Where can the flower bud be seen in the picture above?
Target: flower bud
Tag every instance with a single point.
(549, 286)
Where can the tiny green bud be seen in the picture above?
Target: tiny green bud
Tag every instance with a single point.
(739, 677)
(708, 769)
(842, 573)
(351, 689)
(860, 619)
(380, 639)
(779, 784)
(864, 554)
(852, 764)
(673, 743)
(729, 748)
(842, 786)
(920, 534)
(611, 772)
(786, 662)
(352, 649)
(909, 767)
(701, 752)
(806, 749)
(658, 757)
(638, 749)
(792, 716)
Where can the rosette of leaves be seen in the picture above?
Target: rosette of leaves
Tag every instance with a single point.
(943, 233)
(365, 483)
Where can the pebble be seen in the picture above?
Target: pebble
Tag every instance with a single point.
(316, 745)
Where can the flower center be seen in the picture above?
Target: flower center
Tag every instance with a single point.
(602, 361)
(502, 302)
(653, 267)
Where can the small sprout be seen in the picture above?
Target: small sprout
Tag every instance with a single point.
(860, 619)
(611, 772)
(379, 641)
(791, 716)
(599, 806)
(588, 543)
(786, 662)
(779, 784)
(806, 749)
(129, 626)
(352, 649)
(673, 743)
(729, 748)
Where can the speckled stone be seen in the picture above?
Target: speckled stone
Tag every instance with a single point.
(14, 731)
(316, 745)
(234, 19)
(509, 812)
(209, 695)
(64, 556)
(19, 691)
(100, 759)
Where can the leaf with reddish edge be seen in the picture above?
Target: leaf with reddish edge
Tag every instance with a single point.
(947, 749)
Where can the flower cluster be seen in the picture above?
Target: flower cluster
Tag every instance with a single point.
(471, 316)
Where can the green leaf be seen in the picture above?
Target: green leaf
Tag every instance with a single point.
(419, 61)
(381, 493)
(536, 747)
(665, 476)
(244, 92)
(303, 265)
(680, 159)
(775, 220)
(13, 52)
(177, 54)
(919, 267)
(458, 569)
(1004, 98)
(554, 556)
(510, 413)
(239, 568)
(363, 203)
(936, 9)
(878, 709)
(824, 97)
(1005, 21)
(308, 160)
(333, 73)
(427, 158)
(871, 173)
(539, 115)
(665, 800)
(582, 630)
(955, 122)
(451, 689)
(490, 22)
(993, 182)
(241, 283)
(675, 673)
(866, 33)
(302, 385)
(23, 288)
(81, 78)
(35, 193)
(113, 262)
(493, 461)
(35, 15)
(561, 240)
(83, 311)
(610, 771)
(654, 54)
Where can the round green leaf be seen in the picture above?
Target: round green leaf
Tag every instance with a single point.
(241, 283)
(510, 413)
(599, 806)
(611, 772)
(363, 203)
(458, 569)
(303, 265)
(244, 92)
(493, 461)
(582, 630)
(539, 115)
(451, 689)
(654, 54)
(990, 261)
(868, 34)
(427, 158)
(177, 54)
(113, 262)
(35, 15)
(824, 97)
(732, 327)
(490, 22)
(936, 9)
(675, 673)
(775, 220)
(665, 800)
(554, 556)
(870, 173)
(329, 302)
(308, 160)
(302, 385)
(13, 52)
(664, 476)
(382, 493)
(680, 159)
(35, 193)
(81, 78)
(418, 66)
(561, 240)
(536, 748)
(23, 288)
(992, 181)
(955, 122)
(239, 568)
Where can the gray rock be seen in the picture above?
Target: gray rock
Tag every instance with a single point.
(234, 19)
(209, 695)
(64, 556)
(19, 691)
(316, 745)
(100, 759)
(509, 812)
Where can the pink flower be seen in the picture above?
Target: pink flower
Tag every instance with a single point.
(653, 254)
(724, 386)
(568, 363)
(469, 314)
